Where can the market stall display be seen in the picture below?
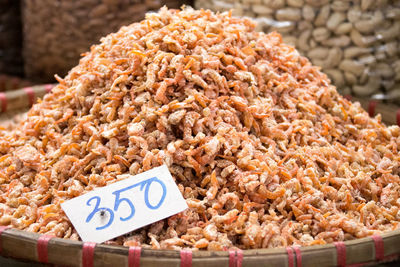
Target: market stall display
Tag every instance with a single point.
(263, 148)
(357, 43)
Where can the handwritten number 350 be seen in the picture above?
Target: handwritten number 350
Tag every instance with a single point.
(119, 200)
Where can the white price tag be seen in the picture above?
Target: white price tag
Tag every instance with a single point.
(124, 206)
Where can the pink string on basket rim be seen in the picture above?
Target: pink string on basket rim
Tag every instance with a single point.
(88, 254)
(134, 256)
(42, 248)
(379, 247)
(3, 100)
(341, 254)
(290, 254)
(186, 258)
(31, 95)
(239, 257)
(232, 258)
(235, 258)
(298, 255)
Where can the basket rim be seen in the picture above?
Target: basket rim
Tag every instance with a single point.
(358, 246)
(198, 253)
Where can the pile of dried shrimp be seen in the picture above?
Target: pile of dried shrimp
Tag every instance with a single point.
(261, 145)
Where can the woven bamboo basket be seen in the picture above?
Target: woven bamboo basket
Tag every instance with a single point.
(45, 249)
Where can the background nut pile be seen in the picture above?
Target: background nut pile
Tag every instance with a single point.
(57, 32)
(10, 37)
(356, 42)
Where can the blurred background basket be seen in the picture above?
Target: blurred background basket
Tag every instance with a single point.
(39, 39)
(56, 33)
(10, 38)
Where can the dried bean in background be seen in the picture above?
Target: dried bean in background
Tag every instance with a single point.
(356, 43)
